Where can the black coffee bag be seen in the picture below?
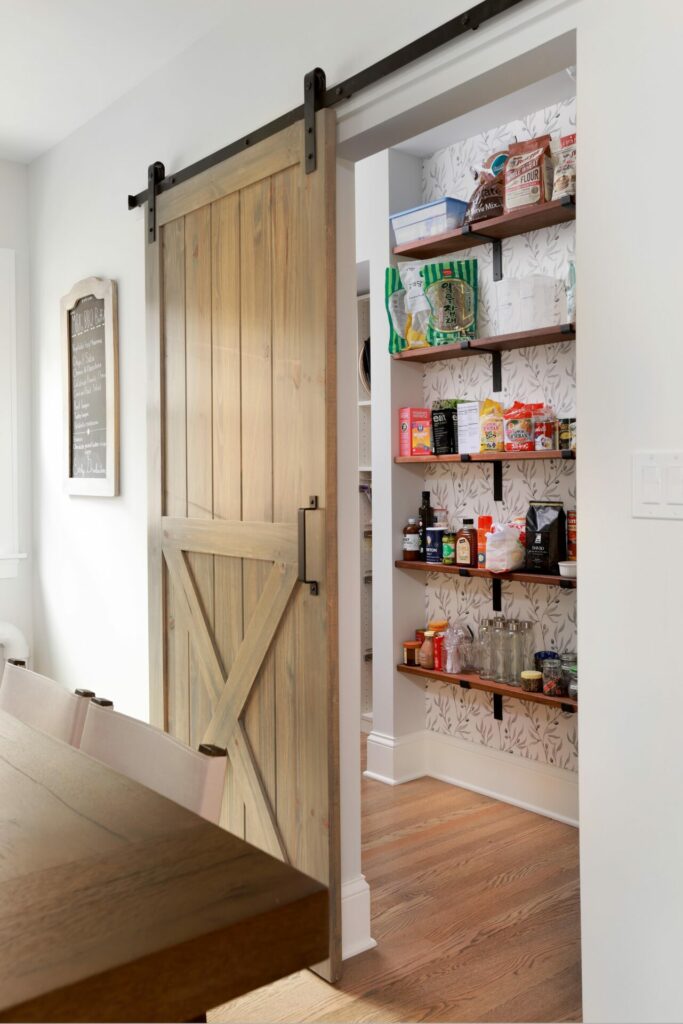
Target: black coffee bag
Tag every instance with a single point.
(546, 536)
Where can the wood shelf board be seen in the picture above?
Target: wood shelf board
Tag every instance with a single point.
(507, 226)
(496, 343)
(475, 682)
(486, 457)
(512, 577)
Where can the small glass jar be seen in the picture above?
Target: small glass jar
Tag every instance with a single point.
(527, 630)
(568, 663)
(552, 677)
(426, 653)
(485, 649)
(411, 650)
(514, 651)
(448, 555)
(532, 681)
(499, 651)
(573, 683)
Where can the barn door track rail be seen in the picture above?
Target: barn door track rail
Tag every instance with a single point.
(317, 97)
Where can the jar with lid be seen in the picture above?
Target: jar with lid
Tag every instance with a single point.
(411, 650)
(466, 544)
(448, 556)
(569, 669)
(573, 682)
(527, 630)
(498, 651)
(426, 653)
(411, 541)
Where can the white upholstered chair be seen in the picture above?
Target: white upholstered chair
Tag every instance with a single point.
(193, 778)
(43, 703)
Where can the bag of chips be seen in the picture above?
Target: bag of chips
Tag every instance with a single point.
(487, 199)
(406, 330)
(491, 426)
(451, 290)
(565, 171)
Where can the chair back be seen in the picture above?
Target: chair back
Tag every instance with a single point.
(194, 779)
(43, 703)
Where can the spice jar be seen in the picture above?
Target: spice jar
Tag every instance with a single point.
(411, 541)
(410, 651)
(552, 677)
(466, 544)
(532, 681)
(448, 556)
(426, 652)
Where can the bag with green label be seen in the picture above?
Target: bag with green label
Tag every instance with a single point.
(451, 290)
(406, 329)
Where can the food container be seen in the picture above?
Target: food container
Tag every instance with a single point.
(567, 435)
(420, 635)
(435, 218)
(410, 651)
(541, 656)
(571, 534)
(439, 659)
(532, 681)
(568, 570)
(435, 544)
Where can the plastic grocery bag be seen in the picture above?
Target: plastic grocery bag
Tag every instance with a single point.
(504, 549)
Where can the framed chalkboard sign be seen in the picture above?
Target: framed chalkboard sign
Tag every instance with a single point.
(91, 388)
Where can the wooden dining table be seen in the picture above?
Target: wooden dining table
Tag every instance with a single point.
(117, 904)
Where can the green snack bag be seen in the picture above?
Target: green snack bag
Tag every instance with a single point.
(395, 301)
(451, 290)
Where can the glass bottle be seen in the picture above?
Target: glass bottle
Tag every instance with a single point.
(411, 541)
(485, 636)
(514, 654)
(528, 646)
(426, 519)
(498, 660)
(426, 654)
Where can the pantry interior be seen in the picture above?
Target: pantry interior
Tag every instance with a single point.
(517, 746)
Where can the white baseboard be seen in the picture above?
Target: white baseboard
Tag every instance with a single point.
(396, 759)
(355, 909)
(541, 788)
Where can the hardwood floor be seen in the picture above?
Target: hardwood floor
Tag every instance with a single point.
(475, 908)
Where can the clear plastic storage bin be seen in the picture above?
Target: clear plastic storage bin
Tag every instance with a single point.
(433, 218)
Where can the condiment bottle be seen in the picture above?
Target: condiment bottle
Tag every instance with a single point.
(426, 519)
(466, 544)
(426, 654)
(411, 541)
(484, 524)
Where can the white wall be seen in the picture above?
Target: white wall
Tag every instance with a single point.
(15, 594)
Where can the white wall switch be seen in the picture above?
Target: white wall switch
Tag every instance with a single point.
(658, 485)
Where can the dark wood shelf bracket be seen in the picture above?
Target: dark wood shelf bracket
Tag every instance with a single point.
(498, 707)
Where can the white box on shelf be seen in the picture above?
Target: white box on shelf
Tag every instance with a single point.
(527, 303)
(469, 439)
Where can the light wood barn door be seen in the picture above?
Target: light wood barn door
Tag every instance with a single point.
(241, 427)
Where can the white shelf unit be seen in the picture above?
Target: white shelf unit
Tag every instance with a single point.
(365, 521)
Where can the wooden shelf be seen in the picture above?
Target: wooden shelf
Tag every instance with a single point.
(514, 577)
(474, 682)
(486, 457)
(559, 211)
(496, 343)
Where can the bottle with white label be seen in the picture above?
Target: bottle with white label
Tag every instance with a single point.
(411, 541)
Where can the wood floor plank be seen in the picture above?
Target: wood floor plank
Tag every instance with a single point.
(475, 911)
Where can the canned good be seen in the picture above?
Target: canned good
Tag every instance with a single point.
(410, 651)
(438, 653)
(567, 435)
(435, 544)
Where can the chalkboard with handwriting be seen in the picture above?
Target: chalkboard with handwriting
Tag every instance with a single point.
(91, 365)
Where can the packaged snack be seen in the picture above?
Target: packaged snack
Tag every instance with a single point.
(491, 426)
(546, 535)
(504, 551)
(469, 433)
(415, 431)
(402, 333)
(519, 429)
(565, 171)
(411, 279)
(487, 199)
(451, 291)
(444, 431)
(545, 429)
(571, 535)
(528, 174)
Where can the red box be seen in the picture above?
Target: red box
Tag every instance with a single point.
(415, 431)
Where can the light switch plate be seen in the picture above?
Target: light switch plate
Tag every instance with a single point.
(658, 485)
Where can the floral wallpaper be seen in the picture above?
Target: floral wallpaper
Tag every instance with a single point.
(527, 730)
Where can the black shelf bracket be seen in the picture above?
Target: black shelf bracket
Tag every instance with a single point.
(566, 585)
(498, 707)
(497, 594)
(497, 252)
(496, 372)
(568, 709)
(497, 481)
(155, 173)
(315, 85)
(465, 457)
(566, 454)
(464, 685)
(464, 572)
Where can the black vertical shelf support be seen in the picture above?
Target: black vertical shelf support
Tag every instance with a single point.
(496, 372)
(315, 85)
(497, 481)
(498, 707)
(497, 253)
(497, 594)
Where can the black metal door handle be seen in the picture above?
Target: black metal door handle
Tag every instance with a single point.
(303, 576)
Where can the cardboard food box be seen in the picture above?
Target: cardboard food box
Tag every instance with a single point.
(415, 431)
(469, 438)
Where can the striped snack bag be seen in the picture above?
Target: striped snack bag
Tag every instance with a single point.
(451, 290)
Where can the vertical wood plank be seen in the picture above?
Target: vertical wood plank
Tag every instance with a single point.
(227, 449)
(198, 307)
(257, 433)
(175, 474)
(155, 568)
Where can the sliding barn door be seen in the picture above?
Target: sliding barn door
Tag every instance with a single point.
(240, 293)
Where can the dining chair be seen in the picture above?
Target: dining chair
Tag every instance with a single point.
(43, 703)
(193, 778)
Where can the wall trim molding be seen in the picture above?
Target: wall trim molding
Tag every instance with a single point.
(540, 788)
(355, 908)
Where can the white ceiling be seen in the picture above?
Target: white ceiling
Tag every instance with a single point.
(63, 61)
(554, 89)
